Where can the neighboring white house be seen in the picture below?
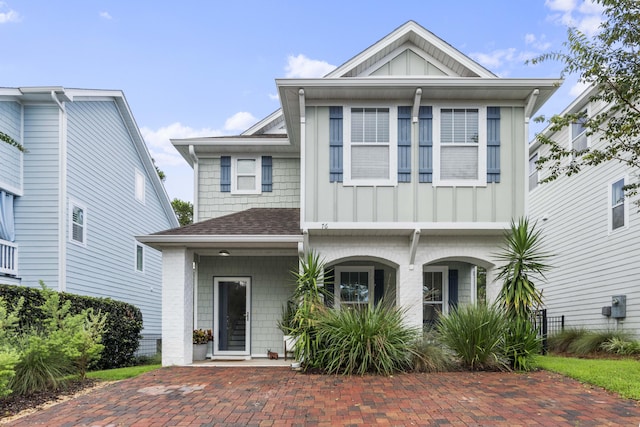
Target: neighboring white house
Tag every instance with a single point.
(71, 204)
(594, 232)
(401, 168)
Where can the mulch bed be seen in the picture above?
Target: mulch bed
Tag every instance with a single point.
(13, 405)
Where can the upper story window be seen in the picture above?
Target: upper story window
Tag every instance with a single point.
(460, 148)
(245, 177)
(533, 172)
(618, 209)
(140, 186)
(370, 150)
(579, 140)
(139, 258)
(77, 223)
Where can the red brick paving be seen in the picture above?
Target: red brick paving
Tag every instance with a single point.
(208, 396)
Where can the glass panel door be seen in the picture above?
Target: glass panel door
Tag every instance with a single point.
(231, 317)
(434, 293)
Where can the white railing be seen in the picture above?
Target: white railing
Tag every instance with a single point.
(8, 258)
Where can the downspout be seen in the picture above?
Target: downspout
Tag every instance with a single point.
(528, 110)
(415, 148)
(62, 194)
(196, 170)
(303, 180)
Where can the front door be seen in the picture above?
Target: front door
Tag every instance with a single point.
(232, 322)
(435, 290)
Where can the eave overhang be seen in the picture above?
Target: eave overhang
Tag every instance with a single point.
(228, 241)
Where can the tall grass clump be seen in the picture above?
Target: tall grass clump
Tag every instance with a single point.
(429, 355)
(593, 341)
(475, 333)
(369, 339)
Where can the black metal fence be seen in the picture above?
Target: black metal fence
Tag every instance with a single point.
(150, 345)
(547, 326)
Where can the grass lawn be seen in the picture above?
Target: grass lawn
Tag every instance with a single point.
(621, 376)
(121, 373)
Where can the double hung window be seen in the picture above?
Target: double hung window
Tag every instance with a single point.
(618, 209)
(77, 224)
(354, 286)
(246, 175)
(579, 139)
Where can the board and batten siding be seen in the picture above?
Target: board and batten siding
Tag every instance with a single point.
(102, 163)
(36, 212)
(213, 203)
(10, 156)
(408, 63)
(591, 264)
(327, 201)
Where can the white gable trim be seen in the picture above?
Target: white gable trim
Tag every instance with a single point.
(411, 47)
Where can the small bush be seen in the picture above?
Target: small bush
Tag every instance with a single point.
(365, 340)
(475, 334)
(8, 360)
(591, 342)
(428, 355)
(621, 346)
(560, 342)
(522, 344)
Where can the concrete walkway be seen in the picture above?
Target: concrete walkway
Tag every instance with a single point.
(278, 396)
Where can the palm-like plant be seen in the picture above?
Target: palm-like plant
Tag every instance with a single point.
(525, 263)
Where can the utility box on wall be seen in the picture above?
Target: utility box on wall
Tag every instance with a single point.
(619, 306)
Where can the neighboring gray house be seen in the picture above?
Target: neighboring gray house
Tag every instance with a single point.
(402, 168)
(594, 232)
(71, 205)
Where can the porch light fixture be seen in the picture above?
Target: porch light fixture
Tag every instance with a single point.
(224, 252)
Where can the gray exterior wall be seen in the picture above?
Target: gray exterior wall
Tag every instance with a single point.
(102, 163)
(271, 286)
(36, 212)
(408, 63)
(414, 201)
(212, 203)
(10, 157)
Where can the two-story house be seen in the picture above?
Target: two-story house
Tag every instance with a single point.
(402, 169)
(592, 229)
(72, 202)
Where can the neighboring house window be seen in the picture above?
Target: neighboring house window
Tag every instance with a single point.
(78, 223)
(140, 186)
(460, 152)
(618, 205)
(533, 172)
(355, 286)
(579, 139)
(139, 258)
(370, 151)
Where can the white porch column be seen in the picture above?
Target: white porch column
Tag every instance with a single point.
(409, 293)
(177, 306)
(493, 287)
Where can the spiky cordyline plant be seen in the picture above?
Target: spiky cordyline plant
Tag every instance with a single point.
(524, 262)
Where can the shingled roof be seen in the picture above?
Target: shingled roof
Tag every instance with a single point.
(252, 222)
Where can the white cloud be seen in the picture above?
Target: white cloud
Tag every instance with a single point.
(590, 25)
(586, 16)
(303, 67)
(105, 15)
(561, 5)
(578, 88)
(538, 43)
(8, 15)
(495, 59)
(239, 121)
(274, 96)
(161, 148)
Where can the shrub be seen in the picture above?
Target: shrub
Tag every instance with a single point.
(591, 342)
(521, 344)
(8, 360)
(560, 342)
(475, 333)
(428, 355)
(9, 357)
(616, 345)
(365, 340)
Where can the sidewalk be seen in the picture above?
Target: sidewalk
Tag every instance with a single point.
(226, 396)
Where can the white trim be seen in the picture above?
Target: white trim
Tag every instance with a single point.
(392, 144)
(140, 186)
(408, 226)
(482, 146)
(72, 204)
(537, 172)
(216, 323)
(625, 202)
(369, 269)
(257, 173)
(135, 257)
(62, 197)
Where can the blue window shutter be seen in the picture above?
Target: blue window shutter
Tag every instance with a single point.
(225, 174)
(378, 286)
(404, 144)
(425, 140)
(267, 174)
(335, 144)
(453, 288)
(493, 144)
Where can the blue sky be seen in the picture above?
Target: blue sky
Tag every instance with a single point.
(207, 68)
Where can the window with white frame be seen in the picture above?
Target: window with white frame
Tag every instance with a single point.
(77, 223)
(370, 148)
(140, 186)
(579, 140)
(355, 286)
(246, 173)
(460, 147)
(618, 210)
(139, 255)
(533, 172)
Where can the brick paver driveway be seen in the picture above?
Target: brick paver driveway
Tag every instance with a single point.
(206, 396)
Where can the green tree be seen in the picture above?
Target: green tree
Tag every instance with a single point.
(183, 210)
(609, 63)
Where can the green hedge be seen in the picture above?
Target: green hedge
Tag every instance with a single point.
(123, 326)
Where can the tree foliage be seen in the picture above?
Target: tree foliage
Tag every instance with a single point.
(183, 210)
(609, 63)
